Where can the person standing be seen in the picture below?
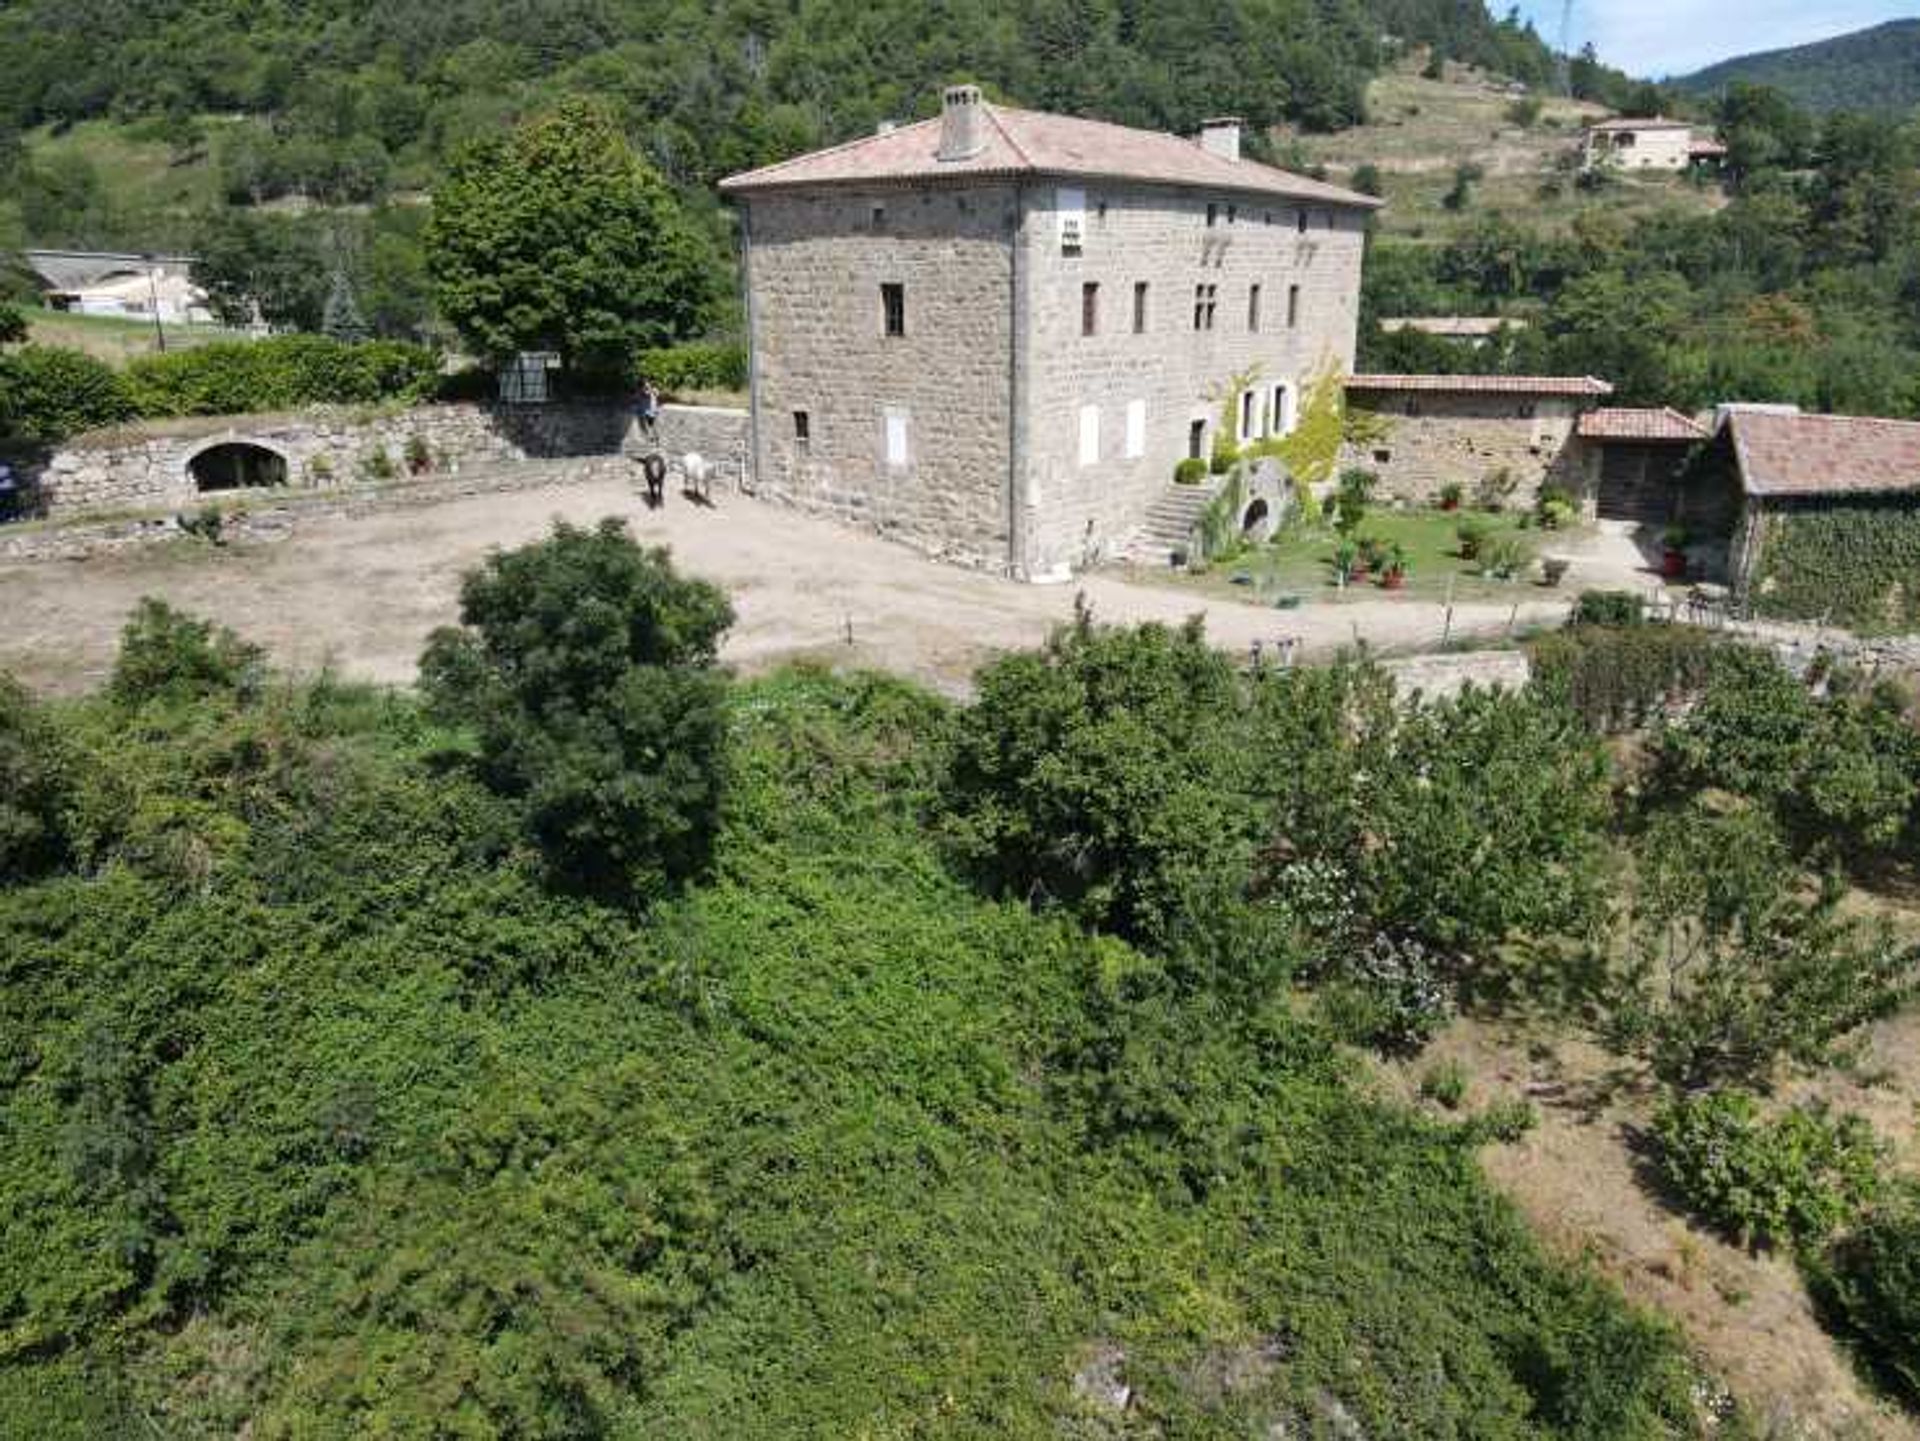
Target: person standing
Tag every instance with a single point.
(646, 409)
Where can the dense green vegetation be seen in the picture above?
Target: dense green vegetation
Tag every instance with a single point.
(1873, 69)
(1852, 563)
(325, 1113)
(48, 392)
(1805, 287)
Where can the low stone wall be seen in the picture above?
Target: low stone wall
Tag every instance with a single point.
(1432, 439)
(150, 466)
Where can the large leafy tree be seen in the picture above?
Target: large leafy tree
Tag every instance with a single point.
(559, 237)
(587, 667)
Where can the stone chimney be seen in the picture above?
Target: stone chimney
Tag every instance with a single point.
(1221, 137)
(963, 129)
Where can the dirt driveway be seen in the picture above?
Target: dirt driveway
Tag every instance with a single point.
(364, 591)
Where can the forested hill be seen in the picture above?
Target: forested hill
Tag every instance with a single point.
(1876, 69)
(363, 96)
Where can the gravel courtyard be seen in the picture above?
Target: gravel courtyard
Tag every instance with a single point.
(363, 592)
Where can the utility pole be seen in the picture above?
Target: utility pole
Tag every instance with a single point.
(153, 295)
(1566, 48)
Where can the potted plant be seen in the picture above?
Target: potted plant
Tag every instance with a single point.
(1556, 508)
(1346, 557)
(419, 456)
(1673, 558)
(1451, 494)
(1393, 575)
(1554, 568)
(1472, 533)
(1504, 558)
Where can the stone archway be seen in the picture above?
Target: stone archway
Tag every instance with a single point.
(236, 465)
(1256, 520)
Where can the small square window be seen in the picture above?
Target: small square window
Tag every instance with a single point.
(1139, 307)
(1090, 308)
(1381, 457)
(879, 217)
(893, 308)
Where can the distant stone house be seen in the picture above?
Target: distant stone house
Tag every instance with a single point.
(994, 334)
(138, 287)
(1420, 433)
(1655, 143)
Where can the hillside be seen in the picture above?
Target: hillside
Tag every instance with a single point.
(1419, 131)
(1875, 70)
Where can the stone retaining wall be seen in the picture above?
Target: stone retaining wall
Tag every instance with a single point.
(149, 466)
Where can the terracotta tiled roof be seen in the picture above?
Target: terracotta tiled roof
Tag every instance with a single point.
(1663, 424)
(1485, 384)
(1788, 455)
(1031, 142)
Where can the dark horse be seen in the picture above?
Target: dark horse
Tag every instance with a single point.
(654, 469)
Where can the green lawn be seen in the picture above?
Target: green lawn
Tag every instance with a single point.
(1299, 561)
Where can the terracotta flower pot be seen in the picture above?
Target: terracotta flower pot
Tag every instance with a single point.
(1673, 564)
(1394, 580)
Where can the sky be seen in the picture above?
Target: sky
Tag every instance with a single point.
(1655, 38)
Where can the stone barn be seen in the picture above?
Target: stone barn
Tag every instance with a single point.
(1424, 432)
(1636, 463)
(996, 333)
(1828, 519)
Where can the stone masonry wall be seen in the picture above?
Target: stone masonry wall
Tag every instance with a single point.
(149, 466)
(1465, 438)
(816, 263)
(1075, 509)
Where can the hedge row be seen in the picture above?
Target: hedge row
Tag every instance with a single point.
(48, 393)
(234, 377)
(1619, 677)
(1855, 564)
(708, 366)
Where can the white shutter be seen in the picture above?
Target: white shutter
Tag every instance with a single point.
(1071, 206)
(896, 437)
(1136, 429)
(1089, 434)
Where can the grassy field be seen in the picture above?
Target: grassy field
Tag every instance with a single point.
(114, 340)
(1422, 129)
(1300, 562)
(136, 167)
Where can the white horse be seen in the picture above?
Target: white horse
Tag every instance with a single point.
(697, 476)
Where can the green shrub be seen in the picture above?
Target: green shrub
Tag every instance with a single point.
(586, 666)
(281, 373)
(35, 786)
(48, 393)
(1101, 775)
(1504, 557)
(1445, 1083)
(681, 369)
(1472, 533)
(168, 655)
(1840, 773)
(1794, 1179)
(1620, 677)
(1729, 965)
(1609, 607)
(1870, 1285)
(1190, 471)
(1394, 994)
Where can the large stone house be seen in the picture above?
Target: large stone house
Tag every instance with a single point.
(995, 333)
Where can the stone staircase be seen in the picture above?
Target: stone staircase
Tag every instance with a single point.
(1169, 522)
